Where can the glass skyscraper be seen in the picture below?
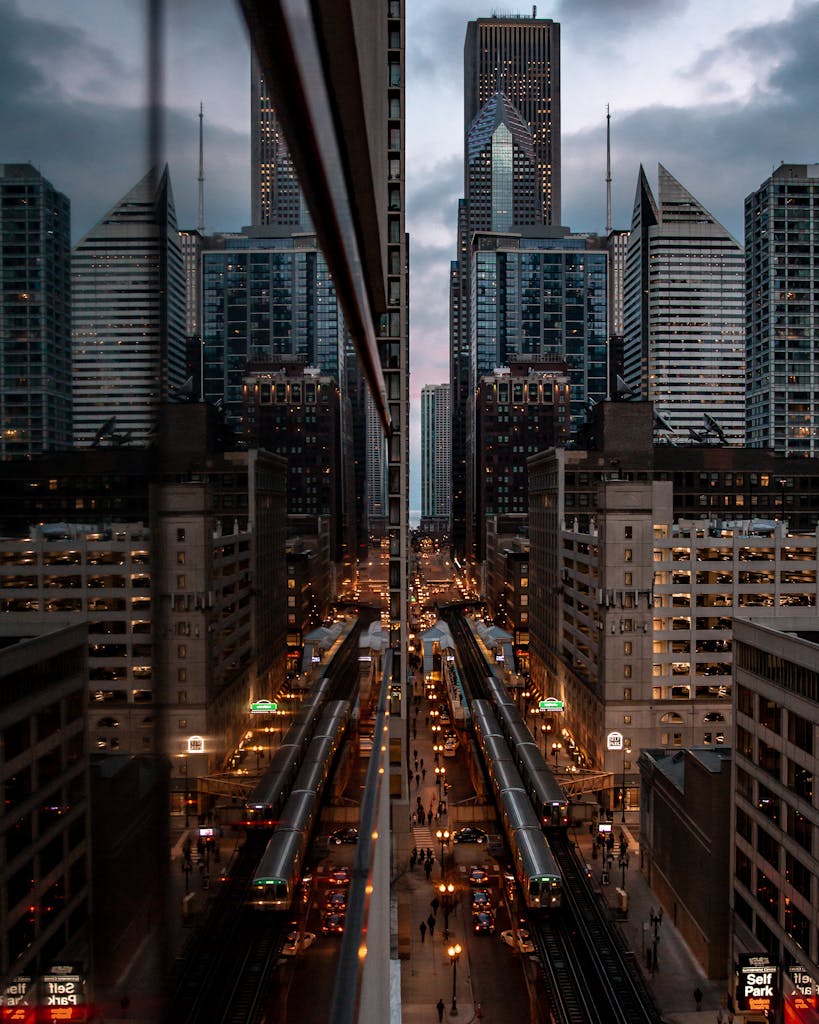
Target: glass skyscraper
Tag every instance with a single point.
(35, 313)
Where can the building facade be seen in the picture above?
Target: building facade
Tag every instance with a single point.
(128, 291)
(774, 867)
(520, 57)
(781, 219)
(436, 452)
(683, 344)
(35, 317)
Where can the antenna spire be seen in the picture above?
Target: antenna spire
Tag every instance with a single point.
(200, 226)
(608, 170)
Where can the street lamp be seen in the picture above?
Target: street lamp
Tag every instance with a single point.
(447, 896)
(443, 837)
(437, 748)
(556, 746)
(454, 952)
(656, 920)
(544, 731)
(440, 772)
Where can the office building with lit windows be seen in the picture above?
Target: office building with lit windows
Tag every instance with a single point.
(128, 293)
(436, 454)
(683, 341)
(35, 313)
(781, 219)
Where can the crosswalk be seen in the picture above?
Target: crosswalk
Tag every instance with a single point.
(423, 838)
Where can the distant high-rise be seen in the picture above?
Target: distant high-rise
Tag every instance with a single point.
(35, 313)
(520, 57)
(128, 290)
(436, 452)
(781, 222)
(683, 345)
(275, 194)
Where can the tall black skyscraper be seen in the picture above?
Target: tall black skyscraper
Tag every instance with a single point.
(520, 57)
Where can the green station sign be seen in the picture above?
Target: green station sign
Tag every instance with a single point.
(263, 707)
(551, 704)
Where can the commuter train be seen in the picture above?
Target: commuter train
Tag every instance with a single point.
(547, 796)
(264, 803)
(535, 867)
(278, 874)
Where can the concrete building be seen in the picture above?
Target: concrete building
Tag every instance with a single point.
(685, 829)
(35, 313)
(636, 602)
(436, 454)
(128, 327)
(774, 867)
(506, 581)
(780, 316)
(683, 344)
(45, 870)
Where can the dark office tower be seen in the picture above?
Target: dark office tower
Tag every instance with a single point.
(782, 400)
(520, 57)
(502, 189)
(459, 363)
(275, 194)
(128, 289)
(35, 313)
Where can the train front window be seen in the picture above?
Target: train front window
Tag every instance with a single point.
(534, 889)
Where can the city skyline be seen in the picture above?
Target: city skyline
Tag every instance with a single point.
(721, 107)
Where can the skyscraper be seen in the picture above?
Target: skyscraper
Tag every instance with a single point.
(129, 316)
(781, 221)
(436, 453)
(520, 57)
(683, 343)
(35, 313)
(275, 194)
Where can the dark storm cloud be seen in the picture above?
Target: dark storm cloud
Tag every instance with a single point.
(95, 152)
(609, 19)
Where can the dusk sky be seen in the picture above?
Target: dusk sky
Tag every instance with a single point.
(718, 92)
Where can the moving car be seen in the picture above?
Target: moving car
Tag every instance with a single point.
(483, 923)
(297, 942)
(477, 876)
(522, 939)
(347, 834)
(469, 834)
(337, 900)
(481, 900)
(341, 876)
(332, 923)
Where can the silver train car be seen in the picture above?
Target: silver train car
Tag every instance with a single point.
(535, 867)
(278, 874)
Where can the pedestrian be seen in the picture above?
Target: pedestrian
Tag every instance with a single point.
(424, 774)
(430, 857)
(698, 998)
(415, 852)
(422, 928)
(414, 818)
(440, 1007)
(421, 818)
(417, 779)
(431, 925)
(428, 869)
(416, 764)
(429, 812)
(435, 903)
(415, 756)
(437, 816)
(422, 762)
(409, 776)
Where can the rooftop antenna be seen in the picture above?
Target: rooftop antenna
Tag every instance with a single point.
(200, 226)
(608, 171)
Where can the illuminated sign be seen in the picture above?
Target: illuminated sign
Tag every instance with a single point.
(756, 984)
(263, 707)
(551, 704)
(196, 744)
(614, 741)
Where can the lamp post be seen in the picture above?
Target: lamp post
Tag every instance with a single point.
(624, 782)
(556, 746)
(454, 952)
(447, 896)
(656, 920)
(623, 862)
(436, 750)
(544, 732)
(443, 837)
(440, 772)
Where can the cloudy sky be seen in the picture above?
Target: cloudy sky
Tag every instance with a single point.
(719, 91)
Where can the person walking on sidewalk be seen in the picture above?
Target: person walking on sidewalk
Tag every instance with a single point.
(440, 1007)
(698, 997)
(431, 925)
(422, 928)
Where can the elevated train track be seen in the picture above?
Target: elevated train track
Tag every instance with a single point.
(586, 973)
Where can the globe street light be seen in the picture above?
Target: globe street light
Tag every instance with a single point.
(454, 952)
(544, 730)
(556, 746)
(440, 772)
(443, 837)
(447, 896)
